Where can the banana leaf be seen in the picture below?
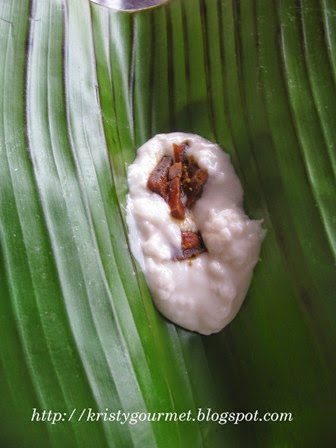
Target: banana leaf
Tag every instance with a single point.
(81, 87)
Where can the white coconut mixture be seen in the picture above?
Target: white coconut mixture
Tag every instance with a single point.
(201, 294)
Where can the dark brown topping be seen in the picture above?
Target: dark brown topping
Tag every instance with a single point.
(194, 188)
(177, 209)
(180, 182)
(192, 245)
(190, 167)
(190, 239)
(158, 179)
(175, 171)
(193, 180)
(180, 151)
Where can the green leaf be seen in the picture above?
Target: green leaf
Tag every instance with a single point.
(81, 87)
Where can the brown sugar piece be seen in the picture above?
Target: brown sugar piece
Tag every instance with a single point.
(158, 179)
(193, 180)
(175, 171)
(194, 187)
(172, 180)
(190, 167)
(192, 245)
(180, 151)
(177, 209)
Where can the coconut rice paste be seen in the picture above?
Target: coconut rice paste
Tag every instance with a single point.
(189, 232)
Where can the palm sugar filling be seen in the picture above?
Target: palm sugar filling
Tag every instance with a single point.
(180, 181)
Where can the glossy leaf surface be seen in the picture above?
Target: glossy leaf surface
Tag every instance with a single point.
(81, 87)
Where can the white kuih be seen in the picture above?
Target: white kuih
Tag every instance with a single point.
(202, 294)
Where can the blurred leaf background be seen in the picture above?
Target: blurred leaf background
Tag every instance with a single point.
(81, 87)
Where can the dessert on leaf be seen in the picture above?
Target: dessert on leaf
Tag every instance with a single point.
(189, 232)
